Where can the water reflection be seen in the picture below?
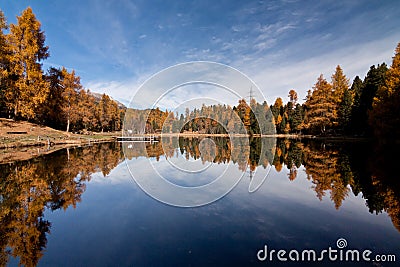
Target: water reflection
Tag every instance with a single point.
(54, 181)
(57, 181)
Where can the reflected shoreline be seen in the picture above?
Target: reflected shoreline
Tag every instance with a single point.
(58, 180)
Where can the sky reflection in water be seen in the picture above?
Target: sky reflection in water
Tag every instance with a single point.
(116, 223)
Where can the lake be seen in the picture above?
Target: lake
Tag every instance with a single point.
(234, 201)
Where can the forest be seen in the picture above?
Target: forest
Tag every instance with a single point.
(56, 98)
(363, 108)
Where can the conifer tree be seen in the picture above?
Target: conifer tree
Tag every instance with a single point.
(344, 110)
(384, 116)
(293, 97)
(356, 90)
(321, 113)
(342, 97)
(71, 86)
(340, 84)
(4, 63)
(27, 43)
(374, 79)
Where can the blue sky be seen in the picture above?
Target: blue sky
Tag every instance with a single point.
(116, 45)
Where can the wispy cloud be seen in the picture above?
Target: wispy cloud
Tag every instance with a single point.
(116, 45)
(276, 81)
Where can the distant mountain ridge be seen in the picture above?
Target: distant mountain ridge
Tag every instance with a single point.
(98, 96)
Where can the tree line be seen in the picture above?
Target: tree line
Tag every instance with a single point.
(364, 108)
(368, 107)
(55, 98)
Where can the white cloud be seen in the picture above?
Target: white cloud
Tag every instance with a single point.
(273, 80)
(277, 80)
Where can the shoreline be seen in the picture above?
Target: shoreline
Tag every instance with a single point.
(22, 139)
(286, 136)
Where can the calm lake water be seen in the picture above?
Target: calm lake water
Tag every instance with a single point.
(82, 206)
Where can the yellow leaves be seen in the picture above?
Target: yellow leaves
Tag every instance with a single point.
(278, 103)
(28, 187)
(278, 120)
(340, 83)
(293, 96)
(26, 43)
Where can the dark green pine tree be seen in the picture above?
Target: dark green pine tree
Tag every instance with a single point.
(356, 90)
(297, 118)
(374, 79)
(344, 111)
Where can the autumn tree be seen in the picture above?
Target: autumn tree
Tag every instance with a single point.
(115, 117)
(28, 89)
(340, 83)
(104, 114)
(384, 116)
(87, 110)
(51, 113)
(244, 112)
(320, 107)
(4, 63)
(293, 97)
(277, 112)
(71, 85)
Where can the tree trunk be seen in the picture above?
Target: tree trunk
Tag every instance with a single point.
(15, 111)
(67, 125)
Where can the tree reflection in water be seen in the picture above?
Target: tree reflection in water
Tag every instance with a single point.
(58, 180)
(52, 181)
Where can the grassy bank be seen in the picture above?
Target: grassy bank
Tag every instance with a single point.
(15, 134)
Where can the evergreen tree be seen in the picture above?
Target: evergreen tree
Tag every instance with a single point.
(342, 97)
(297, 118)
(384, 117)
(344, 110)
(27, 43)
(356, 90)
(374, 79)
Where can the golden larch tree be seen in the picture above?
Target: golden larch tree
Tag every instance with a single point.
(4, 53)
(320, 107)
(28, 89)
(71, 85)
